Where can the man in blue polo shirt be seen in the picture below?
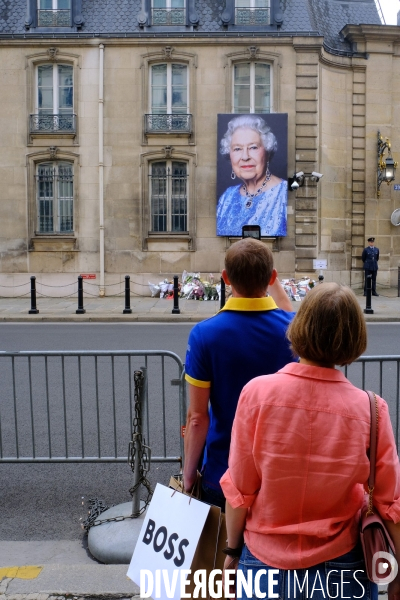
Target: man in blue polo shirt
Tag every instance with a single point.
(246, 339)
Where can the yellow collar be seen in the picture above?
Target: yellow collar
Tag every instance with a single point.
(250, 304)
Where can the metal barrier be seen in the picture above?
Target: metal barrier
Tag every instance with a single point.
(78, 406)
(380, 374)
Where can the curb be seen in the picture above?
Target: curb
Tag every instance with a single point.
(105, 319)
(87, 318)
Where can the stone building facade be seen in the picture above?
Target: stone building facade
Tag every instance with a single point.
(81, 137)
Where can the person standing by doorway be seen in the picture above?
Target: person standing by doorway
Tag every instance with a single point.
(370, 257)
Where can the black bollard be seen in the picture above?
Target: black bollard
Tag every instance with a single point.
(127, 310)
(34, 310)
(80, 310)
(176, 309)
(368, 309)
(222, 295)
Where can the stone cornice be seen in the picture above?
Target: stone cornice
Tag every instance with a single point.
(365, 33)
(308, 44)
(355, 63)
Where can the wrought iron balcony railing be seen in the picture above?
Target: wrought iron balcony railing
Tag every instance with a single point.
(168, 16)
(168, 123)
(54, 18)
(252, 16)
(52, 123)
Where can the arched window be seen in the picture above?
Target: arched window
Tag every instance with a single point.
(55, 197)
(169, 89)
(54, 99)
(168, 196)
(169, 102)
(251, 87)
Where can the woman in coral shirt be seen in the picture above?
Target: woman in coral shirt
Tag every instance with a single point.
(298, 464)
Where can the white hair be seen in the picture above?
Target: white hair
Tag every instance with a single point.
(256, 124)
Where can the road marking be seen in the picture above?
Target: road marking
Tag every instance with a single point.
(28, 572)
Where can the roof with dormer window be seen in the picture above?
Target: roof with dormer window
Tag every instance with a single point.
(119, 17)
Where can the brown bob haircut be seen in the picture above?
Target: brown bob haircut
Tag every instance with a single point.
(329, 327)
(249, 265)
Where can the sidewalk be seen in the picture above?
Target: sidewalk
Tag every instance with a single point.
(59, 570)
(65, 573)
(146, 309)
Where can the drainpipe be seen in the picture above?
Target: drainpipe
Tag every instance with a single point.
(101, 167)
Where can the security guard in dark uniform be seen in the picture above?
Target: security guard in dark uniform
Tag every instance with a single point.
(370, 257)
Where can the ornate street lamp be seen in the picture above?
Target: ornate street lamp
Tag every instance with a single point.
(386, 167)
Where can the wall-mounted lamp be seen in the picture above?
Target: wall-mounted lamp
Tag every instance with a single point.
(299, 178)
(386, 168)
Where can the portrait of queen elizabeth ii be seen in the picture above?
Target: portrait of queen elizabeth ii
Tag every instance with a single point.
(258, 191)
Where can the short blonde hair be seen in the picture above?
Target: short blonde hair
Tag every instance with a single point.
(329, 327)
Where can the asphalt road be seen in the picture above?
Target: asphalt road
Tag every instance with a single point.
(383, 338)
(44, 501)
(92, 336)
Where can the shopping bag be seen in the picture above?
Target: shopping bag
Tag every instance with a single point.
(208, 555)
(167, 543)
(176, 483)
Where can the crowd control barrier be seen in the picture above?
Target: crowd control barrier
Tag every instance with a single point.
(380, 374)
(78, 407)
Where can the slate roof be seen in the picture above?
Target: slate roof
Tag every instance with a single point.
(330, 16)
(327, 17)
(12, 16)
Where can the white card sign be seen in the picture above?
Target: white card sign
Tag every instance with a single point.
(167, 542)
(320, 263)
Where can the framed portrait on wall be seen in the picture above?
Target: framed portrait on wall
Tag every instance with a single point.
(252, 184)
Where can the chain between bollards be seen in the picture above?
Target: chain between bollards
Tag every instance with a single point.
(34, 309)
(176, 309)
(222, 295)
(127, 310)
(368, 308)
(80, 310)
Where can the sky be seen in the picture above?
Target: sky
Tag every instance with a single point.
(390, 9)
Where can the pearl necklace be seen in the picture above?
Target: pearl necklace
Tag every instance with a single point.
(249, 201)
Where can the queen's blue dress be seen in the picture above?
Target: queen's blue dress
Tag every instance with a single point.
(268, 210)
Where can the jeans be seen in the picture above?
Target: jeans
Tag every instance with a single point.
(212, 496)
(342, 577)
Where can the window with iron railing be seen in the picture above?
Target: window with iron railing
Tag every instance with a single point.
(55, 197)
(54, 100)
(168, 12)
(54, 13)
(251, 88)
(168, 196)
(252, 12)
(169, 100)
